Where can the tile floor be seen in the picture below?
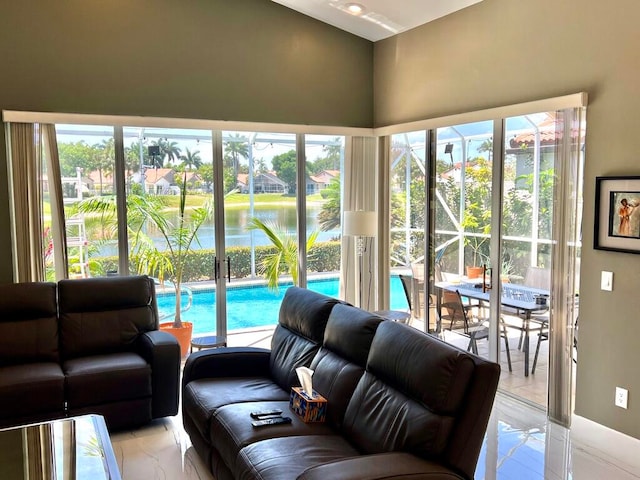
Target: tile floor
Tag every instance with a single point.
(520, 445)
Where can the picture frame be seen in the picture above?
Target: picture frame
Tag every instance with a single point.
(617, 214)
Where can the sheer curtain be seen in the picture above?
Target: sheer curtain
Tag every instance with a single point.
(360, 193)
(26, 190)
(54, 176)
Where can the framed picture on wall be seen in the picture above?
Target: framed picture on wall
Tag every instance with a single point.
(617, 214)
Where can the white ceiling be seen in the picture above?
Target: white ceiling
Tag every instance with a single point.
(380, 18)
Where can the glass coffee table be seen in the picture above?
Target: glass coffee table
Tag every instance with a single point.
(66, 449)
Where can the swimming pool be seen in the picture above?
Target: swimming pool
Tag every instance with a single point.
(254, 305)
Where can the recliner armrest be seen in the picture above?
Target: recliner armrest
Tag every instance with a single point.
(387, 466)
(227, 362)
(162, 351)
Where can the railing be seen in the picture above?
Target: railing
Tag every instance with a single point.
(183, 308)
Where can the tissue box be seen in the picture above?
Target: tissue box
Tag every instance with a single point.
(309, 409)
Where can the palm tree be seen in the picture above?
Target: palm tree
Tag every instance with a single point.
(191, 159)
(178, 235)
(235, 147)
(285, 258)
(168, 150)
(329, 216)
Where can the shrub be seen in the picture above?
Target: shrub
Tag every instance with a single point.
(324, 257)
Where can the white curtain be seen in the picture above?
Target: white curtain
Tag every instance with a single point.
(56, 200)
(25, 171)
(25, 145)
(360, 193)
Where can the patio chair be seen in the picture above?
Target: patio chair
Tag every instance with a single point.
(538, 277)
(464, 321)
(415, 301)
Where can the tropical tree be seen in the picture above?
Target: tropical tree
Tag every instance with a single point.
(285, 258)
(169, 151)
(179, 235)
(329, 216)
(191, 159)
(236, 147)
(103, 159)
(285, 166)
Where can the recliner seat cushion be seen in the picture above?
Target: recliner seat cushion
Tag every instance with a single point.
(106, 378)
(231, 428)
(287, 457)
(201, 398)
(31, 389)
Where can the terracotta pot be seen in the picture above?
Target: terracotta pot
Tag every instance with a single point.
(474, 272)
(183, 335)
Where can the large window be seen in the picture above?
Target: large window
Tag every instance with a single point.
(169, 224)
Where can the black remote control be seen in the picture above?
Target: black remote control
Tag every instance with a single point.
(271, 421)
(266, 413)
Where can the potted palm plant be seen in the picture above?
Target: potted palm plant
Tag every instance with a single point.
(179, 236)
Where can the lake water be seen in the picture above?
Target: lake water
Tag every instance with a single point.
(236, 231)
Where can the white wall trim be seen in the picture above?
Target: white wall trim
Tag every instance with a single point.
(606, 443)
(546, 105)
(163, 122)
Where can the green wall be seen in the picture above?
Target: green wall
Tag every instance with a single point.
(501, 52)
(243, 60)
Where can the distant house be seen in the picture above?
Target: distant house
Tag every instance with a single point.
(318, 182)
(158, 181)
(264, 182)
(95, 182)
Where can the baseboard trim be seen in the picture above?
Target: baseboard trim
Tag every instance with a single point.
(606, 443)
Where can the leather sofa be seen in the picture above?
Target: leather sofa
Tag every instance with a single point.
(401, 403)
(85, 346)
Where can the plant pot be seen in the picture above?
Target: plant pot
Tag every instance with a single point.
(474, 272)
(183, 335)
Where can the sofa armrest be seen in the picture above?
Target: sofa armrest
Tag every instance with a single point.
(162, 351)
(227, 362)
(387, 466)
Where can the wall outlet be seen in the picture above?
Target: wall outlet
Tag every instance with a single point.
(621, 397)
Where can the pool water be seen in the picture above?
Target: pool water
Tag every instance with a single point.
(254, 305)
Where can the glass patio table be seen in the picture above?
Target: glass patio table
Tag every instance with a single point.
(522, 300)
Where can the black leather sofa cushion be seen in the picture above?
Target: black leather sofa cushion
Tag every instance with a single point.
(201, 398)
(28, 323)
(104, 315)
(407, 360)
(231, 428)
(391, 409)
(339, 364)
(297, 338)
(287, 457)
(106, 378)
(31, 389)
(306, 312)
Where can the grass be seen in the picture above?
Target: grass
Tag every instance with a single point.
(242, 199)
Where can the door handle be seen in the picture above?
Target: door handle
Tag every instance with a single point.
(229, 269)
(215, 268)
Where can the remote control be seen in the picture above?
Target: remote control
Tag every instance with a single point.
(266, 413)
(271, 421)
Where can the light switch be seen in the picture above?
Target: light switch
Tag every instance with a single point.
(606, 281)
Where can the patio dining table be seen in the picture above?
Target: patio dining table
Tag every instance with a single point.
(519, 300)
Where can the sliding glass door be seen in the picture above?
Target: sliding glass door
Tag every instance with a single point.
(231, 218)
(503, 200)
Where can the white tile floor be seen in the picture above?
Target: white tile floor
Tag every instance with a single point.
(521, 445)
